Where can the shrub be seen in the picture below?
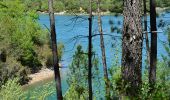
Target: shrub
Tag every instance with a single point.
(12, 69)
(11, 90)
(30, 59)
(49, 61)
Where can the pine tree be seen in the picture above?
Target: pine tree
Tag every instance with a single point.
(102, 45)
(153, 54)
(54, 51)
(132, 47)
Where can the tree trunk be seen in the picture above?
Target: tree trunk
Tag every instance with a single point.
(90, 53)
(107, 82)
(153, 54)
(54, 51)
(146, 33)
(132, 47)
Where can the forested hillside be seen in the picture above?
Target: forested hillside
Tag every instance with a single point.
(24, 45)
(80, 6)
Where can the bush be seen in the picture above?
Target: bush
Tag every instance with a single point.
(41, 92)
(21, 34)
(3, 55)
(30, 59)
(76, 92)
(11, 90)
(161, 88)
(49, 61)
(12, 69)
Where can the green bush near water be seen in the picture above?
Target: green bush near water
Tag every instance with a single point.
(24, 45)
(11, 90)
(20, 34)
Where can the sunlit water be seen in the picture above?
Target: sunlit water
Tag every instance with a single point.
(69, 26)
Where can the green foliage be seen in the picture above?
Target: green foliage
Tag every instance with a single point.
(163, 3)
(162, 86)
(49, 62)
(11, 90)
(115, 73)
(3, 56)
(73, 6)
(60, 47)
(41, 92)
(11, 69)
(167, 48)
(116, 84)
(59, 6)
(79, 67)
(21, 33)
(23, 41)
(30, 59)
(78, 74)
(117, 6)
(76, 92)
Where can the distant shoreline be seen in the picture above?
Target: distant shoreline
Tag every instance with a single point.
(83, 13)
(158, 9)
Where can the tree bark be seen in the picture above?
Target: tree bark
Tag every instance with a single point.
(153, 54)
(90, 53)
(146, 33)
(107, 82)
(132, 47)
(54, 51)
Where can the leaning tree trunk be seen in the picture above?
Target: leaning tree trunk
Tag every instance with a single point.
(107, 82)
(90, 53)
(146, 33)
(54, 51)
(153, 54)
(132, 47)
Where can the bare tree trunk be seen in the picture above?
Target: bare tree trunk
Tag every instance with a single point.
(90, 53)
(107, 82)
(132, 47)
(54, 51)
(153, 54)
(146, 33)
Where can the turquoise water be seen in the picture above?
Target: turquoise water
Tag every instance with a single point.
(69, 26)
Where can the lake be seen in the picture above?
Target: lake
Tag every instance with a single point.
(71, 29)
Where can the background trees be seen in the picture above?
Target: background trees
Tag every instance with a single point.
(71, 6)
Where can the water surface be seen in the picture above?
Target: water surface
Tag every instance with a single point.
(71, 30)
